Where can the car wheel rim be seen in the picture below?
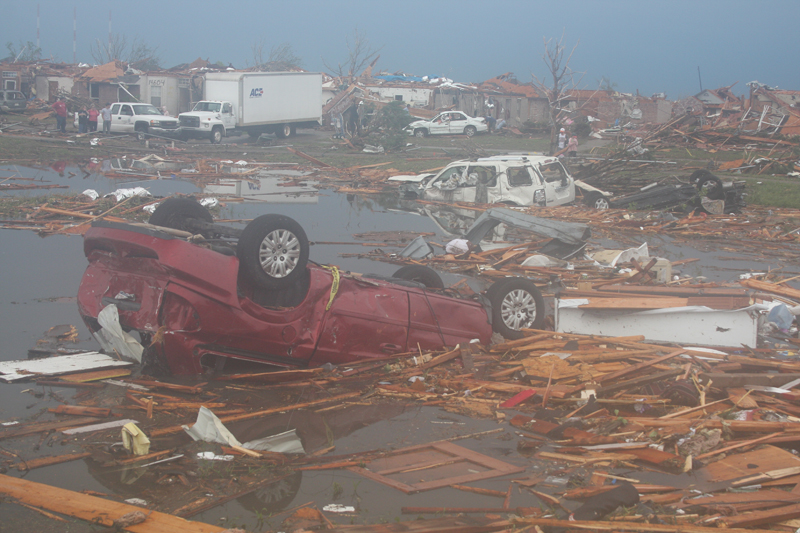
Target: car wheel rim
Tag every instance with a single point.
(279, 253)
(708, 186)
(601, 204)
(518, 309)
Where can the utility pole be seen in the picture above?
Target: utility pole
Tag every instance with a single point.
(699, 78)
(38, 42)
(75, 35)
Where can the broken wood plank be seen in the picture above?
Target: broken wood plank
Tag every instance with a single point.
(80, 410)
(40, 462)
(94, 509)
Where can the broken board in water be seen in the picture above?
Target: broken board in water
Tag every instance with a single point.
(53, 366)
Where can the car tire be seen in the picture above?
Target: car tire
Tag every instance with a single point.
(273, 251)
(469, 131)
(283, 131)
(216, 135)
(421, 274)
(420, 132)
(708, 182)
(141, 133)
(516, 304)
(596, 200)
(176, 213)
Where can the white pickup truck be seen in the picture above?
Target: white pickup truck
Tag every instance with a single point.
(523, 180)
(254, 103)
(141, 119)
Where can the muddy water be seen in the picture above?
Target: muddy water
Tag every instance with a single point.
(40, 277)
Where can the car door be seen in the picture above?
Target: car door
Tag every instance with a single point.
(483, 178)
(458, 121)
(440, 124)
(559, 187)
(122, 121)
(519, 182)
(366, 319)
(449, 185)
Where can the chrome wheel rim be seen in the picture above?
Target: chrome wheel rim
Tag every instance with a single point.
(518, 309)
(601, 203)
(279, 253)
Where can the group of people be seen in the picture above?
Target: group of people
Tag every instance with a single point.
(87, 117)
(571, 145)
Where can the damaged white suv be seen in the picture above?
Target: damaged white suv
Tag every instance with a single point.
(529, 180)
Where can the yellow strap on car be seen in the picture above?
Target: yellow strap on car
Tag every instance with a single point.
(334, 286)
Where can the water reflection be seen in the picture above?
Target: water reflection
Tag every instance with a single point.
(271, 188)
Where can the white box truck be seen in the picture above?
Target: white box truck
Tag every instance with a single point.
(254, 103)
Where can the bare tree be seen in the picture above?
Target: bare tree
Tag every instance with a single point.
(562, 81)
(25, 52)
(138, 54)
(281, 57)
(360, 54)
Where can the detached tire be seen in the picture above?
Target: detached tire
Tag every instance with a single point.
(177, 213)
(420, 274)
(273, 251)
(708, 182)
(516, 304)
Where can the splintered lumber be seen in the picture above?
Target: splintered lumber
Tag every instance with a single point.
(635, 303)
(439, 359)
(629, 526)
(757, 518)
(773, 288)
(519, 511)
(96, 376)
(635, 368)
(30, 429)
(158, 432)
(274, 377)
(80, 410)
(478, 490)
(94, 509)
(39, 462)
(307, 157)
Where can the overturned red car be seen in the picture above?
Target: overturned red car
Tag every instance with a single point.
(252, 294)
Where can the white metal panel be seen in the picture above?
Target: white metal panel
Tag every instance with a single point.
(279, 97)
(684, 325)
(223, 87)
(61, 364)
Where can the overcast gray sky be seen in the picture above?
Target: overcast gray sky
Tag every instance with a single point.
(650, 46)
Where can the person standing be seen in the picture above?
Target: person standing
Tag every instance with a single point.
(83, 120)
(562, 139)
(93, 113)
(572, 146)
(61, 114)
(106, 114)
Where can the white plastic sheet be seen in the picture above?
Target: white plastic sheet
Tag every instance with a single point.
(209, 428)
(111, 337)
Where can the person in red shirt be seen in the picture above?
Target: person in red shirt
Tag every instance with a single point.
(93, 114)
(61, 115)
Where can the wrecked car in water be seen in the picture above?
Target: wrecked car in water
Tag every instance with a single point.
(529, 180)
(196, 303)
